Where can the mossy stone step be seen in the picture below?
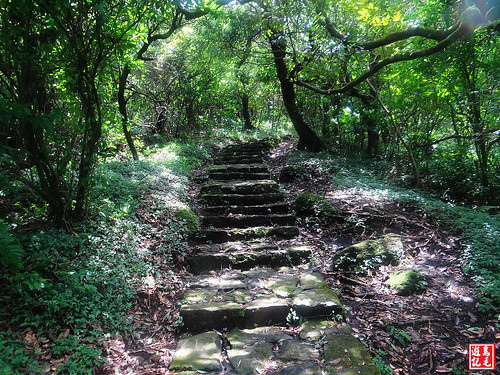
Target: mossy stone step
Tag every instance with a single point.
(241, 187)
(258, 297)
(241, 199)
(245, 259)
(225, 235)
(273, 208)
(238, 161)
(244, 221)
(321, 347)
(253, 168)
(223, 176)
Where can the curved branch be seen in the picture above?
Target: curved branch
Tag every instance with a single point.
(452, 38)
(412, 31)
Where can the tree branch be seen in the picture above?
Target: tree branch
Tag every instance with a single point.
(452, 38)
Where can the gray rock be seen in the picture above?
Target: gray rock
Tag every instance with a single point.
(200, 353)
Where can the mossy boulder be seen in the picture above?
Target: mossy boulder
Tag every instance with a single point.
(189, 219)
(310, 204)
(407, 282)
(370, 254)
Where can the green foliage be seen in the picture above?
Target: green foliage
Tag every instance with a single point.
(11, 252)
(76, 288)
(380, 363)
(401, 337)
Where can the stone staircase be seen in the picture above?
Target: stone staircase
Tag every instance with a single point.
(254, 305)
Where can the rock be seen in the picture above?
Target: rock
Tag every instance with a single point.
(314, 303)
(310, 204)
(252, 350)
(216, 315)
(266, 311)
(199, 353)
(189, 218)
(316, 328)
(293, 350)
(370, 254)
(348, 352)
(407, 282)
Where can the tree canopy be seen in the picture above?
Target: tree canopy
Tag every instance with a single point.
(411, 80)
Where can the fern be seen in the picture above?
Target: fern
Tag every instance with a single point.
(11, 252)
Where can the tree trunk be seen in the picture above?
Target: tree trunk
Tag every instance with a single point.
(308, 139)
(92, 134)
(122, 105)
(245, 111)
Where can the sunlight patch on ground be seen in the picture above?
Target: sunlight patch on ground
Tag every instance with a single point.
(378, 195)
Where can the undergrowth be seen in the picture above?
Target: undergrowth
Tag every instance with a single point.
(478, 229)
(64, 293)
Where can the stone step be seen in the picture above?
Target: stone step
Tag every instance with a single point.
(238, 160)
(254, 146)
(241, 199)
(224, 235)
(239, 153)
(252, 168)
(273, 208)
(317, 347)
(215, 258)
(258, 297)
(222, 176)
(241, 187)
(244, 221)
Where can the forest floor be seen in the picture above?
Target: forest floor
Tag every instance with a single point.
(425, 333)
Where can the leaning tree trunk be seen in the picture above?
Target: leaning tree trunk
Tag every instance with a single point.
(122, 106)
(308, 139)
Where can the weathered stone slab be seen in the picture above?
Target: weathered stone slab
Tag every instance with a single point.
(315, 329)
(283, 285)
(209, 262)
(309, 368)
(254, 168)
(314, 303)
(241, 187)
(272, 208)
(212, 315)
(223, 235)
(199, 353)
(252, 359)
(265, 311)
(349, 349)
(294, 350)
(241, 199)
(245, 221)
(312, 281)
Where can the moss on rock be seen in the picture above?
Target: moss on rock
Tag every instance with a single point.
(407, 281)
(310, 204)
(189, 218)
(369, 254)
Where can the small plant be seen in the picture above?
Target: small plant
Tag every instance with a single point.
(380, 363)
(402, 337)
(293, 319)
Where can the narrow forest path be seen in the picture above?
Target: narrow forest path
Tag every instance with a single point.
(256, 305)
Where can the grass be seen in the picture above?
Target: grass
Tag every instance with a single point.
(73, 290)
(478, 230)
